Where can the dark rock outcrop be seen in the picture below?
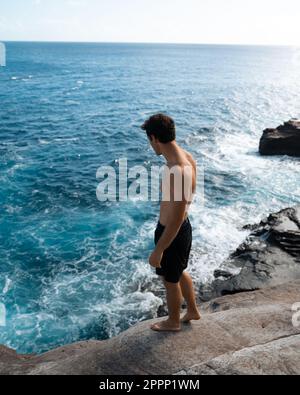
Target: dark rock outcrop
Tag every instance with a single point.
(248, 333)
(270, 256)
(285, 140)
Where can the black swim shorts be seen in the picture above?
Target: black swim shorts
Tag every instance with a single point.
(176, 257)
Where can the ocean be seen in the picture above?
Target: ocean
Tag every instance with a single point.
(73, 268)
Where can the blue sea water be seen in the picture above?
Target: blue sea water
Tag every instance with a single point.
(72, 268)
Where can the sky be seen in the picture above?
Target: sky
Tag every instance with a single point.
(262, 22)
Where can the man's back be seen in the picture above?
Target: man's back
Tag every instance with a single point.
(185, 164)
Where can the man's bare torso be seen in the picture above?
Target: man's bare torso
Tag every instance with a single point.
(184, 160)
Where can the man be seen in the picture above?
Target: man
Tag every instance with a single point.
(173, 236)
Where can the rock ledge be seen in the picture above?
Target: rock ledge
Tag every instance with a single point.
(249, 333)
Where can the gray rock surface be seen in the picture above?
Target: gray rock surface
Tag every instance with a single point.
(279, 357)
(285, 140)
(233, 331)
(270, 256)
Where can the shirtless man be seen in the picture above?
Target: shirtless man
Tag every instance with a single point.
(173, 236)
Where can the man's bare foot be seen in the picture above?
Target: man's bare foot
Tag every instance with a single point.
(191, 316)
(166, 326)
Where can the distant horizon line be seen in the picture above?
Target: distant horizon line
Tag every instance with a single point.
(149, 43)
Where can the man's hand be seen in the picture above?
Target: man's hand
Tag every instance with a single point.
(156, 258)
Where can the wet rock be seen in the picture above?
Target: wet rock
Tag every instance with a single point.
(270, 256)
(284, 140)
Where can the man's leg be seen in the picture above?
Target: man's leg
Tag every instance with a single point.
(174, 301)
(187, 288)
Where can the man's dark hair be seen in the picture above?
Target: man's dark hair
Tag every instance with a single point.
(162, 127)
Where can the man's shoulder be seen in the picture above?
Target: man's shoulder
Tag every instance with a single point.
(190, 158)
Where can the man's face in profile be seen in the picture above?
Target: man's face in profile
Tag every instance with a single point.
(155, 145)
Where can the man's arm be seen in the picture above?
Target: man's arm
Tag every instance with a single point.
(173, 226)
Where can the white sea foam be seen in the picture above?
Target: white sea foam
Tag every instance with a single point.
(44, 142)
(7, 286)
(58, 140)
(12, 209)
(66, 139)
(16, 167)
(116, 286)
